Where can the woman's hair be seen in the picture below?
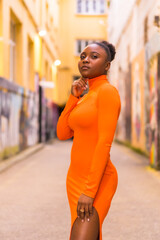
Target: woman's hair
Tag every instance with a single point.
(109, 48)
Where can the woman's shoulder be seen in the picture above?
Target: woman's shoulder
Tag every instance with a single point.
(108, 89)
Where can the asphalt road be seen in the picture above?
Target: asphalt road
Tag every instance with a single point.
(34, 203)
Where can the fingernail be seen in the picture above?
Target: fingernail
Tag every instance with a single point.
(82, 220)
(88, 219)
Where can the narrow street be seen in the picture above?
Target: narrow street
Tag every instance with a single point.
(34, 203)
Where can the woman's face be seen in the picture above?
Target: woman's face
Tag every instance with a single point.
(93, 61)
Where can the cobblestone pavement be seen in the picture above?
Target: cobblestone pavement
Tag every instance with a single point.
(34, 203)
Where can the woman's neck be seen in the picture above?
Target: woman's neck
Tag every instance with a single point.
(97, 81)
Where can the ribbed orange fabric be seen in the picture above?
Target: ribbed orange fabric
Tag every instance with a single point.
(92, 121)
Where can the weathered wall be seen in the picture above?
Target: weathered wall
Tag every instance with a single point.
(135, 72)
(18, 118)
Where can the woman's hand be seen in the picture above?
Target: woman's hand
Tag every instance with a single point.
(85, 207)
(79, 86)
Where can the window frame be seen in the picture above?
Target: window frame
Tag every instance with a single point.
(94, 7)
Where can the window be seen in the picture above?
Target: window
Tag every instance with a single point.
(15, 50)
(81, 44)
(102, 6)
(79, 6)
(87, 6)
(94, 6)
(12, 51)
(91, 6)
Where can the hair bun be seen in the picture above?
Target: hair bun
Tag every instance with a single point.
(111, 48)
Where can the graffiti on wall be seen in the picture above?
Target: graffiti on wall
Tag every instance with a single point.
(18, 120)
(28, 120)
(152, 97)
(138, 112)
(137, 101)
(153, 110)
(147, 101)
(128, 97)
(24, 117)
(5, 101)
(121, 126)
(32, 118)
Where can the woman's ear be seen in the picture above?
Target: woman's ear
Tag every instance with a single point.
(107, 65)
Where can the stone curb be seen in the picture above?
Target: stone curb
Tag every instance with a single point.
(5, 164)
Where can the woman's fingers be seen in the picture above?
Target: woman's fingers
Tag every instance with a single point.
(84, 80)
(78, 208)
(82, 212)
(85, 207)
(90, 208)
(85, 86)
(81, 84)
(87, 212)
(78, 87)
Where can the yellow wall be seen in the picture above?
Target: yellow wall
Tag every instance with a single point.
(75, 26)
(30, 17)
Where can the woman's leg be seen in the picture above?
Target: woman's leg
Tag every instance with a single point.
(87, 230)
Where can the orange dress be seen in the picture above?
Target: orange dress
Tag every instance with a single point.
(92, 121)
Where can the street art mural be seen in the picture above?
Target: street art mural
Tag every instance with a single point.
(121, 126)
(32, 118)
(153, 76)
(138, 112)
(18, 119)
(4, 120)
(9, 126)
(26, 118)
(123, 131)
(128, 103)
(152, 99)
(137, 101)
(147, 101)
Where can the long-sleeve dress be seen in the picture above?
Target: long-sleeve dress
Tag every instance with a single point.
(92, 121)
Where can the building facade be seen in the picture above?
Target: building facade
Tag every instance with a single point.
(136, 72)
(81, 22)
(29, 47)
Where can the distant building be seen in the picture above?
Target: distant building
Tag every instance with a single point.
(133, 28)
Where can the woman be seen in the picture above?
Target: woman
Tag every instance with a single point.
(91, 119)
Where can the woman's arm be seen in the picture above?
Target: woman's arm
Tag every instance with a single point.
(64, 132)
(108, 113)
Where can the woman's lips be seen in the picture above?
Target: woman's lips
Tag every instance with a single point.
(84, 67)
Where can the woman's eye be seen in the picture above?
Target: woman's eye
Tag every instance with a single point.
(94, 56)
(82, 57)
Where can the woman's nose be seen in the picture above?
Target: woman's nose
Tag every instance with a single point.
(86, 59)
